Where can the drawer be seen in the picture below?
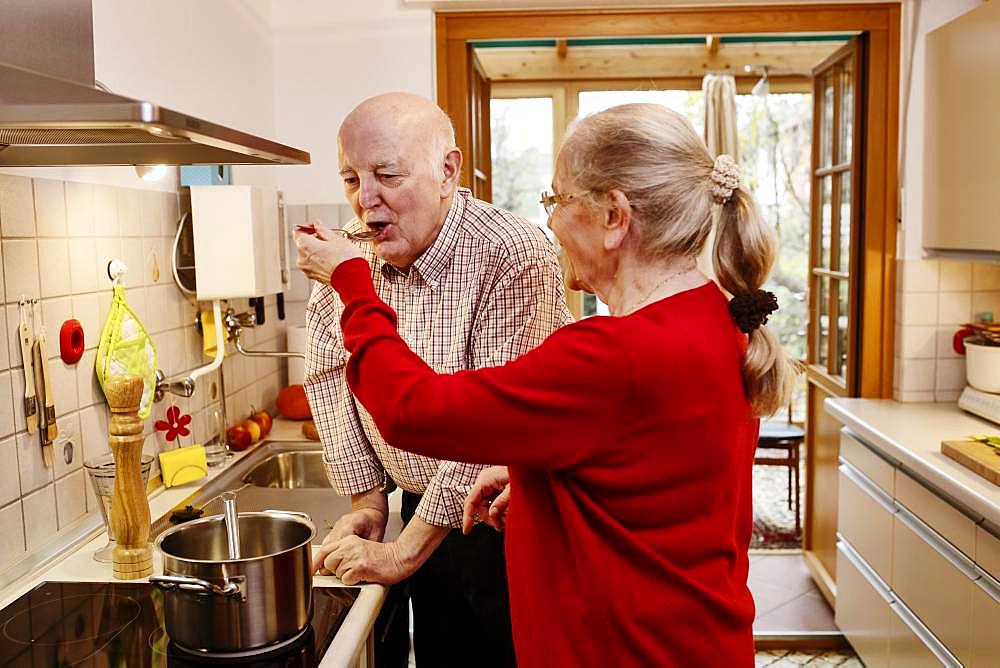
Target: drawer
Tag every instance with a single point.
(912, 646)
(985, 624)
(864, 519)
(988, 552)
(862, 609)
(941, 516)
(934, 583)
(861, 457)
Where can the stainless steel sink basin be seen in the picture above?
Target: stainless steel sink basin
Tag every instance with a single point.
(277, 476)
(290, 470)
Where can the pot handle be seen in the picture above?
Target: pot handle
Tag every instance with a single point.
(233, 586)
(296, 513)
(958, 340)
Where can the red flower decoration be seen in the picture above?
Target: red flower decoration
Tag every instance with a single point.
(175, 424)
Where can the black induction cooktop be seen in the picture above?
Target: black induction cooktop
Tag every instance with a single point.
(119, 624)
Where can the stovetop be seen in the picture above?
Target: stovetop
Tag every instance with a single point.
(112, 624)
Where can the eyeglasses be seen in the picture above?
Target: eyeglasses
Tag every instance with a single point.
(549, 201)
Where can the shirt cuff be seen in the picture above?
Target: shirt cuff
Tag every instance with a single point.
(352, 278)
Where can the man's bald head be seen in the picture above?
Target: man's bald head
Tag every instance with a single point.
(411, 118)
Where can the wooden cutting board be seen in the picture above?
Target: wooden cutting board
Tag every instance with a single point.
(978, 457)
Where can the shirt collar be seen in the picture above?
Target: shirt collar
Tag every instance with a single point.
(433, 262)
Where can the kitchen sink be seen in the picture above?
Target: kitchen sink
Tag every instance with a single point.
(275, 476)
(290, 470)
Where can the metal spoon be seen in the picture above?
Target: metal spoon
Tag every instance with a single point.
(368, 235)
(232, 519)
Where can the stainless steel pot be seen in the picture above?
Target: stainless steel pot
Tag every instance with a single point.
(213, 604)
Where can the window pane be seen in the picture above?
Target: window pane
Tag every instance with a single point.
(521, 140)
(826, 123)
(842, 318)
(691, 103)
(844, 263)
(823, 320)
(846, 111)
(826, 221)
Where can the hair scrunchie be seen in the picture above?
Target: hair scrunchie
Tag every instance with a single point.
(750, 310)
(725, 178)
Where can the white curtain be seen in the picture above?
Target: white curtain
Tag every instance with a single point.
(720, 136)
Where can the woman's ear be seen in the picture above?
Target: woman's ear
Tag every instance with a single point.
(618, 220)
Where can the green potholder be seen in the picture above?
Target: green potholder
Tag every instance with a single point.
(126, 348)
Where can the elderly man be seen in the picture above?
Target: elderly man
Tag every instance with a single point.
(473, 286)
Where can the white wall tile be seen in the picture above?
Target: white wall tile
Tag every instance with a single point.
(50, 208)
(82, 258)
(13, 342)
(94, 431)
(954, 308)
(68, 453)
(10, 480)
(986, 302)
(985, 276)
(106, 212)
(911, 397)
(918, 308)
(165, 255)
(40, 521)
(950, 374)
(136, 300)
(129, 216)
(170, 214)
(946, 396)
(20, 268)
(17, 206)
(917, 375)
(945, 335)
(17, 387)
(4, 349)
(71, 498)
(956, 276)
(151, 212)
(86, 310)
(54, 313)
(30, 463)
(12, 529)
(88, 389)
(54, 267)
(155, 311)
(346, 214)
(919, 275)
(6, 407)
(152, 261)
(132, 255)
(918, 342)
(63, 386)
(107, 249)
(80, 209)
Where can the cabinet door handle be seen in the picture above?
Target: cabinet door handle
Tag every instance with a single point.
(951, 554)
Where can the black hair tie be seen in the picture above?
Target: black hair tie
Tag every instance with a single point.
(751, 309)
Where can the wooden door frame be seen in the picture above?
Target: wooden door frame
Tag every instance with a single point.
(880, 22)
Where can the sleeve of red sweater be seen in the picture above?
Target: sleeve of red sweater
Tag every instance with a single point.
(547, 409)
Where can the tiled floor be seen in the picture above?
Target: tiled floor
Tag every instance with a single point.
(787, 600)
(783, 658)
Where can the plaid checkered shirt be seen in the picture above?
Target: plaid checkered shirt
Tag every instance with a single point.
(487, 290)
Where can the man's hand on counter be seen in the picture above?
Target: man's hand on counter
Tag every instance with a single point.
(354, 560)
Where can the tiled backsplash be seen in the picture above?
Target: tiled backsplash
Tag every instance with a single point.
(935, 297)
(57, 238)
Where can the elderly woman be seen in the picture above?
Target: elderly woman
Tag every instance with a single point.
(629, 438)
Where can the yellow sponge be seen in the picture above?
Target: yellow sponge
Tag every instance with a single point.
(183, 465)
(208, 334)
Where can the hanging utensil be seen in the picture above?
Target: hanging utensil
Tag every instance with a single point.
(51, 430)
(26, 334)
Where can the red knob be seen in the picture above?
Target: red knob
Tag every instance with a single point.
(71, 341)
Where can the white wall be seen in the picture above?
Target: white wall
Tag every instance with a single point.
(930, 14)
(328, 57)
(212, 60)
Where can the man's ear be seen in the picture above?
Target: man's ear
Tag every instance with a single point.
(618, 220)
(452, 172)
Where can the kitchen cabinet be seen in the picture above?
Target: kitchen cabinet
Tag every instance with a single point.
(863, 608)
(865, 520)
(911, 645)
(962, 137)
(985, 623)
(988, 552)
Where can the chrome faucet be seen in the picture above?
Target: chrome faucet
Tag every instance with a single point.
(235, 322)
(183, 387)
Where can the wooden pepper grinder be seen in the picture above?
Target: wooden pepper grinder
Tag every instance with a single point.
(133, 556)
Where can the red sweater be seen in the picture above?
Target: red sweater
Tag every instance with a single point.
(630, 444)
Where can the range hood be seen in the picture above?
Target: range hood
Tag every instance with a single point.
(53, 114)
